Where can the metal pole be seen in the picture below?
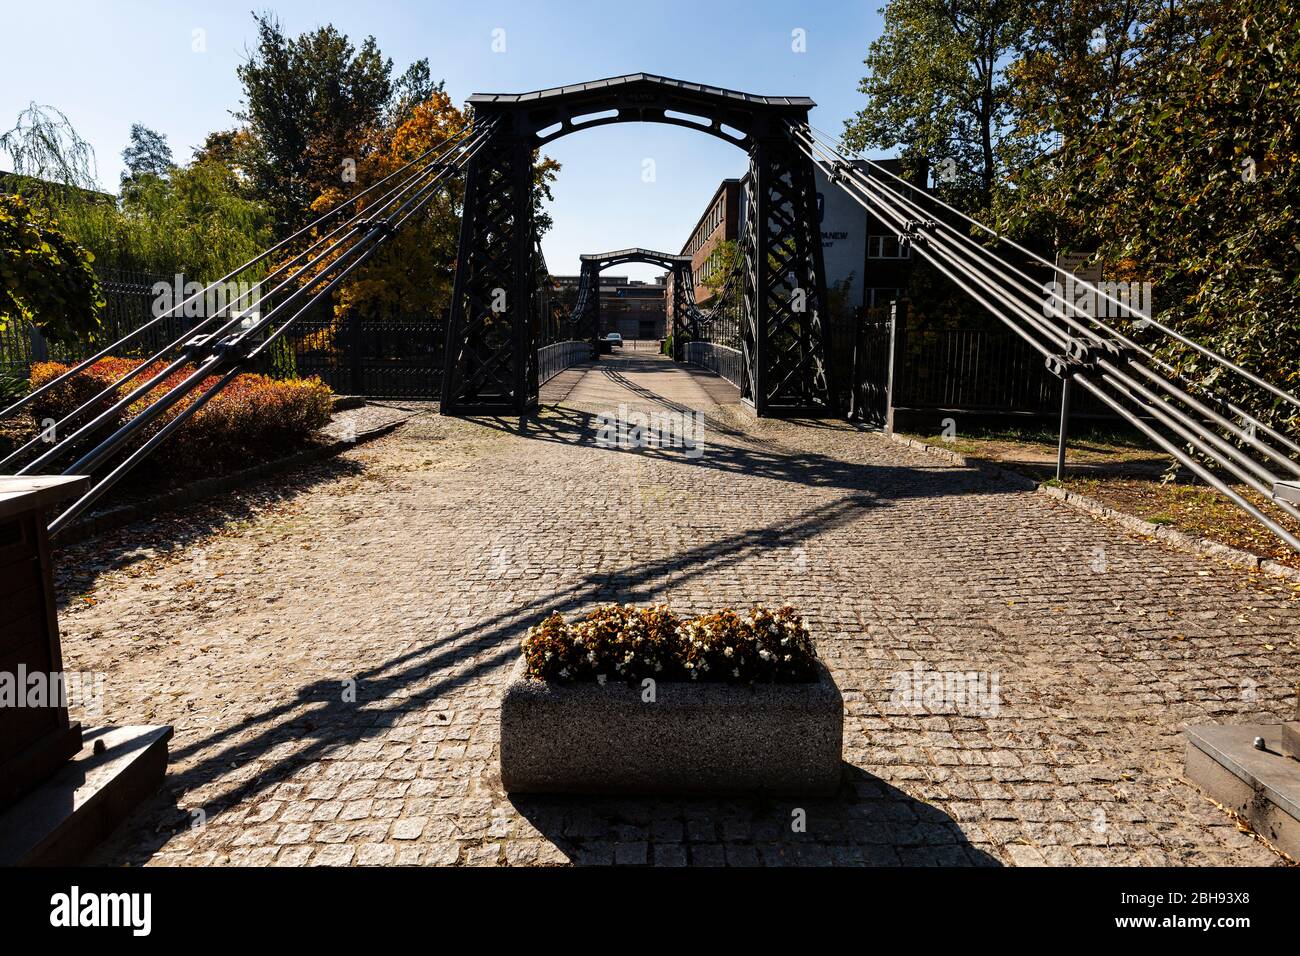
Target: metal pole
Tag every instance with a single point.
(1065, 428)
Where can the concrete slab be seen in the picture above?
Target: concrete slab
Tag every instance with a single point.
(59, 822)
(1263, 786)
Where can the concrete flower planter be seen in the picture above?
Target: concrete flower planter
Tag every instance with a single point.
(694, 738)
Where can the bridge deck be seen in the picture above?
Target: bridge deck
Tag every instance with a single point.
(632, 376)
(412, 566)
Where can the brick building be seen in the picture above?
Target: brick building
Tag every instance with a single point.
(860, 253)
(632, 308)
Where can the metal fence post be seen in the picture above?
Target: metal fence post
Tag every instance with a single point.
(354, 360)
(1063, 437)
(40, 353)
(897, 352)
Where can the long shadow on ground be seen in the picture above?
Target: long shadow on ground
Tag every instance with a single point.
(869, 822)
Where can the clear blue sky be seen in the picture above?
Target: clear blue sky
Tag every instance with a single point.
(110, 64)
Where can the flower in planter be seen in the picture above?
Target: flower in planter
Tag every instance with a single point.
(621, 642)
(765, 646)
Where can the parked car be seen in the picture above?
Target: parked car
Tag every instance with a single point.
(614, 339)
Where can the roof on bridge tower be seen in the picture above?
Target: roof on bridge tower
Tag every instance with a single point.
(648, 79)
(633, 252)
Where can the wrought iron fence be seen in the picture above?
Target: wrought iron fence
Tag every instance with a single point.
(974, 369)
(130, 299)
(721, 359)
(980, 370)
(868, 379)
(392, 357)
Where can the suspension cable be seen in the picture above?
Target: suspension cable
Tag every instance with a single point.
(1173, 333)
(201, 294)
(439, 173)
(1198, 435)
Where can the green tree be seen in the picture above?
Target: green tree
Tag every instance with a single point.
(44, 146)
(413, 88)
(1074, 67)
(937, 89)
(197, 222)
(45, 277)
(309, 103)
(147, 157)
(1191, 181)
(147, 154)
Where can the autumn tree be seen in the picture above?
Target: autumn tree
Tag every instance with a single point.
(412, 274)
(311, 103)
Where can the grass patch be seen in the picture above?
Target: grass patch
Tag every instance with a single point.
(1197, 510)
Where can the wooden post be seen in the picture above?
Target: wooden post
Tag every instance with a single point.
(35, 741)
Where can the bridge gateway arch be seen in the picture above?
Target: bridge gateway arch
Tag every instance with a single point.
(491, 363)
(682, 308)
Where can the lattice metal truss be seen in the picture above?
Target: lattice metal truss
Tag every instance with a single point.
(783, 330)
(686, 314)
(491, 338)
(683, 309)
(586, 310)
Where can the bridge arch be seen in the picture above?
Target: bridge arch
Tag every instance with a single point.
(682, 308)
(491, 358)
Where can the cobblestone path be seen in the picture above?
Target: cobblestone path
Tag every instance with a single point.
(412, 565)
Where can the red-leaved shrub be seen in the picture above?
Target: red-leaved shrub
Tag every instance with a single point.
(254, 417)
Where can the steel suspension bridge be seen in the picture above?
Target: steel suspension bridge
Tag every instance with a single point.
(506, 333)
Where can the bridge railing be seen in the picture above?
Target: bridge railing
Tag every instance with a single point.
(725, 361)
(554, 359)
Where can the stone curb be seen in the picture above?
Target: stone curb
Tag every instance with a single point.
(196, 491)
(1180, 540)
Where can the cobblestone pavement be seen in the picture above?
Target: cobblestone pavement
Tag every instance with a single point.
(412, 565)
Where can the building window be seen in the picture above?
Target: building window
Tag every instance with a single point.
(887, 247)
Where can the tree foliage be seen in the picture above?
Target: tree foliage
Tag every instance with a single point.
(1158, 137)
(1190, 183)
(937, 88)
(197, 221)
(310, 103)
(147, 154)
(44, 146)
(45, 277)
